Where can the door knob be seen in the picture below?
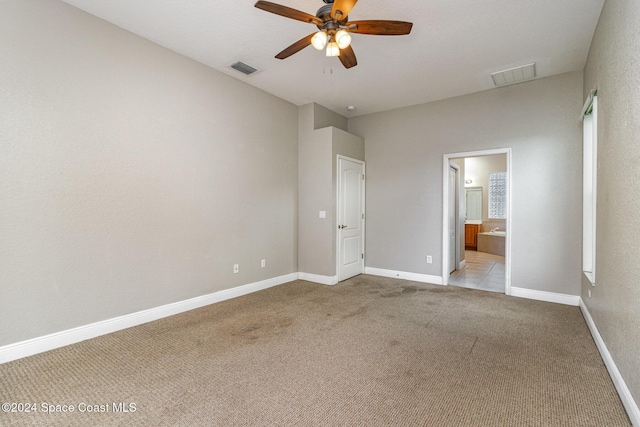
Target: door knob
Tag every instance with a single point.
(342, 226)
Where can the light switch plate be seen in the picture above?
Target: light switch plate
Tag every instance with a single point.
(323, 214)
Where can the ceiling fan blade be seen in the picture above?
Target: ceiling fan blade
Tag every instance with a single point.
(381, 28)
(296, 47)
(287, 12)
(342, 7)
(348, 57)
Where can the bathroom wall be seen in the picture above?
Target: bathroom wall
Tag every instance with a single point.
(478, 169)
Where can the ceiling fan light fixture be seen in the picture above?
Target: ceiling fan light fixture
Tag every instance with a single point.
(333, 49)
(319, 40)
(343, 38)
(332, 20)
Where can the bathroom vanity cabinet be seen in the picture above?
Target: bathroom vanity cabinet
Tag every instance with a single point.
(471, 236)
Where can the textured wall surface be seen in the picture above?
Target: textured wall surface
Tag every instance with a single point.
(613, 68)
(130, 176)
(321, 138)
(315, 252)
(404, 152)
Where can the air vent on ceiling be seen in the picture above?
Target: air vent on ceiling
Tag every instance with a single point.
(514, 75)
(244, 68)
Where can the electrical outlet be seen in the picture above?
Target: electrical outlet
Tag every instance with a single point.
(263, 263)
(429, 259)
(236, 268)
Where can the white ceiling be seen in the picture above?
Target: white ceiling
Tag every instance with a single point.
(452, 50)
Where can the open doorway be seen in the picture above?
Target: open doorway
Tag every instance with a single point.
(478, 207)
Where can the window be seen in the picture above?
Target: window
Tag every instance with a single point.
(498, 195)
(589, 187)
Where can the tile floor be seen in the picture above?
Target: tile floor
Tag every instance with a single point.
(482, 271)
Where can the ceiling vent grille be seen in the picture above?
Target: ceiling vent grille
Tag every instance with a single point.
(244, 68)
(514, 75)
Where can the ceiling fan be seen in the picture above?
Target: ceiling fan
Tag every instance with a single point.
(332, 21)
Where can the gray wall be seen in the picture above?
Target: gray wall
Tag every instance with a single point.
(323, 118)
(612, 68)
(315, 252)
(318, 149)
(130, 176)
(404, 155)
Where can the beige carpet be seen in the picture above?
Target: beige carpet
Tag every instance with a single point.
(367, 352)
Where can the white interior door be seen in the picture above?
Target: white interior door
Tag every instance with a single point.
(453, 235)
(350, 218)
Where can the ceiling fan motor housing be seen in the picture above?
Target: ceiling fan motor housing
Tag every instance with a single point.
(324, 13)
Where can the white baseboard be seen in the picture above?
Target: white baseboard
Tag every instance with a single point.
(425, 278)
(625, 395)
(316, 278)
(71, 336)
(545, 296)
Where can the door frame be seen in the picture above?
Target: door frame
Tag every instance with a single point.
(457, 194)
(340, 157)
(445, 211)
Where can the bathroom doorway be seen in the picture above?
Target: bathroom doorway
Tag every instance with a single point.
(483, 219)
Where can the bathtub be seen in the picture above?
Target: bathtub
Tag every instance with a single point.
(492, 243)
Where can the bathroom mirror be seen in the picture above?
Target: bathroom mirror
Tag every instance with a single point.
(473, 197)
